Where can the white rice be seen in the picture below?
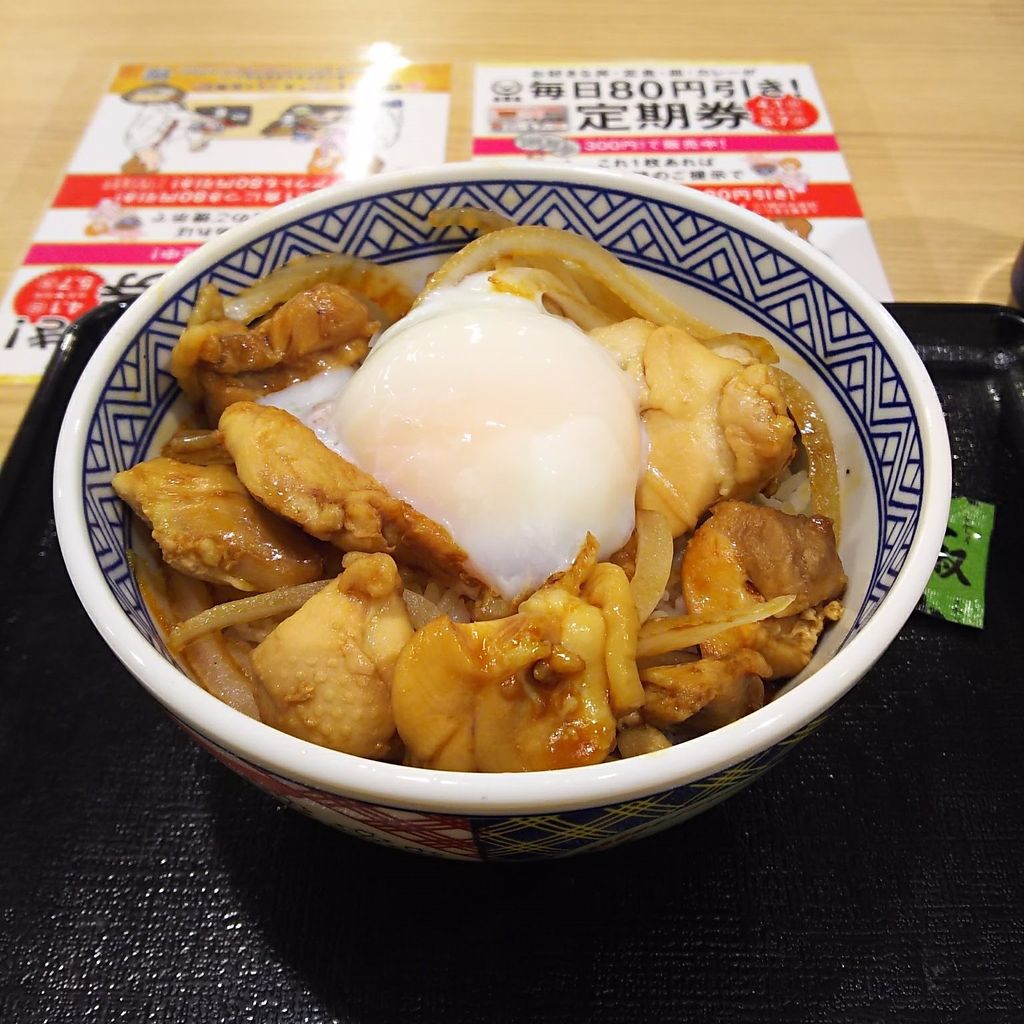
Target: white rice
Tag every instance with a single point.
(792, 496)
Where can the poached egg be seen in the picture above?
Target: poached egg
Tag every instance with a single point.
(496, 418)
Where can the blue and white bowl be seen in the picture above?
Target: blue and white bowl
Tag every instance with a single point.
(729, 267)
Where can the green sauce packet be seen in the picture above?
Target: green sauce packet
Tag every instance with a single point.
(956, 589)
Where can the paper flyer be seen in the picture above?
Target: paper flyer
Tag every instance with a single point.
(758, 135)
(175, 155)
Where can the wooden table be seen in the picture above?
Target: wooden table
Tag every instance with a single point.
(925, 97)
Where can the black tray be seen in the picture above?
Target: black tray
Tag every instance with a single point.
(875, 875)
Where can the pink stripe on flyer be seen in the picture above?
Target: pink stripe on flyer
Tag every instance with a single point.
(673, 144)
(88, 255)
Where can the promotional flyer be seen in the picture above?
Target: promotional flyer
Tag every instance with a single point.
(176, 155)
(758, 135)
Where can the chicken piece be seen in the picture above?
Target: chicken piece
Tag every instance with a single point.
(287, 468)
(208, 526)
(788, 644)
(625, 342)
(721, 689)
(738, 698)
(224, 361)
(325, 673)
(717, 428)
(783, 554)
(606, 586)
(745, 554)
(525, 693)
(221, 390)
(744, 348)
(608, 590)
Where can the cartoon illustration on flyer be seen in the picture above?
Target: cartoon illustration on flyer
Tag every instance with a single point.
(162, 121)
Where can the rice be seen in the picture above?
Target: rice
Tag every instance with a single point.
(445, 600)
(793, 495)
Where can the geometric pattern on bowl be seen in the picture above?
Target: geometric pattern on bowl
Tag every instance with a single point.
(512, 837)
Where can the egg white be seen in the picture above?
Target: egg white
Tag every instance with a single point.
(503, 422)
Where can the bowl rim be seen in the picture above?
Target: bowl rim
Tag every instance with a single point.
(480, 794)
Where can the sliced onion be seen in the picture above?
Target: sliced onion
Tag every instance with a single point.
(218, 673)
(522, 243)
(241, 655)
(209, 657)
(200, 447)
(377, 284)
(452, 605)
(149, 575)
(246, 609)
(209, 306)
(472, 218)
(531, 283)
(421, 610)
(593, 291)
(660, 490)
(654, 553)
(642, 739)
(821, 454)
(676, 633)
(252, 633)
(586, 288)
(581, 284)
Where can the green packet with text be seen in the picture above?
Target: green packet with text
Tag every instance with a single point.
(956, 589)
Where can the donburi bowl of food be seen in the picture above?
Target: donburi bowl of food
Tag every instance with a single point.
(502, 512)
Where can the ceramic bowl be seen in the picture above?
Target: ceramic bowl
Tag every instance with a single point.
(729, 267)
